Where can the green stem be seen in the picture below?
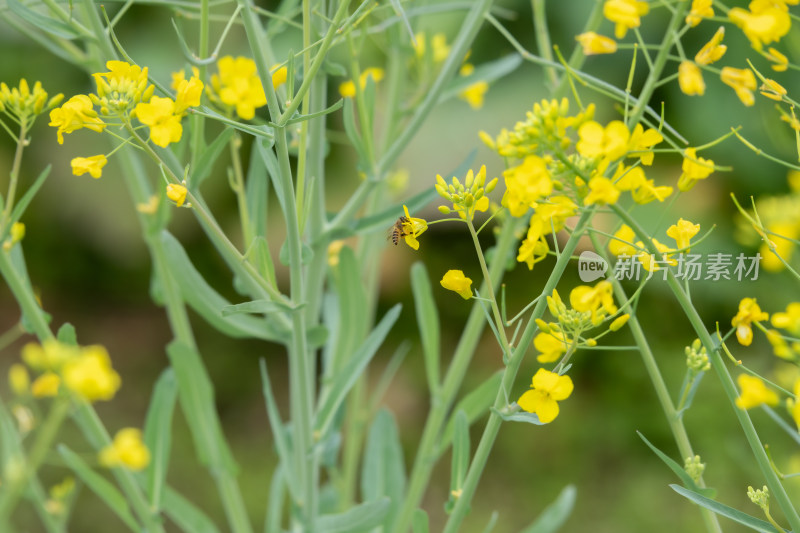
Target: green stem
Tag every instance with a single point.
(429, 449)
(23, 294)
(543, 38)
(493, 425)
(302, 151)
(22, 142)
(241, 192)
(662, 393)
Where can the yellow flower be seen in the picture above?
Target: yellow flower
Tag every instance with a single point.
(700, 9)
(626, 14)
(547, 389)
(773, 90)
(454, 280)
(440, 48)
(788, 320)
(160, 115)
(50, 355)
(526, 183)
(93, 165)
(628, 178)
(594, 44)
(46, 385)
(749, 312)
(683, 232)
(712, 51)
(641, 143)
(555, 211)
(551, 345)
(694, 169)
(647, 192)
(610, 142)
(784, 246)
(16, 234)
(76, 113)
(348, 88)
(534, 247)
(127, 450)
(690, 79)
(18, 379)
(619, 322)
(601, 191)
(122, 86)
(766, 22)
(599, 300)
(473, 94)
(743, 81)
(279, 75)
(754, 393)
(176, 193)
(90, 375)
(238, 85)
(619, 244)
(413, 228)
(650, 261)
(780, 60)
(779, 345)
(187, 94)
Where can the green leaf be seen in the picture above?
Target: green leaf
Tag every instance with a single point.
(11, 449)
(67, 335)
(679, 471)
(206, 301)
(334, 69)
(460, 459)
(348, 322)
(359, 518)
(383, 472)
(45, 23)
(520, 416)
(351, 130)
(555, 514)
(278, 433)
(103, 488)
(206, 162)
(327, 111)
(264, 132)
(492, 522)
(723, 510)
(197, 402)
(474, 405)
(256, 306)
(158, 435)
(306, 253)
(398, 9)
(257, 193)
(344, 380)
(275, 502)
(487, 72)
(26, 198)
(186, 515)
(428, 322)
(419, 522)
(778, 419)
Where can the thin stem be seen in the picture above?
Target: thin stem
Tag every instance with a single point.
(22, 142)
(239, 189)
(543, 38)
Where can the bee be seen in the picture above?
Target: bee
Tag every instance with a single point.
(397, 231)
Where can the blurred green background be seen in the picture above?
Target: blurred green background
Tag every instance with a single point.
(87, 259)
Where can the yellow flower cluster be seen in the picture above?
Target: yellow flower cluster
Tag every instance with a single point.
(127, 451)
(23, 103)
(85, 372)
(622, 244)
(467, 198)
(238, 86)
(348, 88)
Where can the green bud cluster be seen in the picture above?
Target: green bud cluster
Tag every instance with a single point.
(464, 196)
(759, 497)
(697, 358)
(21, 102)
(694, 467)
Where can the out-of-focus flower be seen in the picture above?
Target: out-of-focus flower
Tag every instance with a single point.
(626, 14)
(743, 81)
(90, 375)
(456, 281)
(700, 9)
(754, 393)
(694, 169)
(127, 450)
(594, 44)
(93, 165)
(238, 86)
(749, 312)
(690, 79)
(682, 232)
(764, 23)
(348, 88)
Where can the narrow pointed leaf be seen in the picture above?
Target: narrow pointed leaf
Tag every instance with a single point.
(26, 198)
(158, 435)
(419, 523)
(359, 518)
(43, 22)
(723, 510)
(679, 471)
(383, 472)
(187, 515)
(278, 434)
(474, 405)
(206, 162)
(554, 515)
(428, 322)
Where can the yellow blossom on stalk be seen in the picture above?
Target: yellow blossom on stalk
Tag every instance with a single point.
(682, 232)
(93, 165)
(690, 79)
(279, 75)
(348, 88)
(754, 393)
(50, 355)
(594, 44)
(628, 178)
(123, 86)
(551, 345)
(238, 86)
(127, 450)
(46, 385)
(188, 93)
(781, 234)
(789, 319)
(177, 193)
(526, 183)
(599, 300)
(534, 247)
(23, 103)
(76, 113)
(601, 191)
(90, 375)
(626, 14)
(18, 379)
(650, 262)
(413, 228)
(694, 169)
(454, 280)
(619, 244)
(165, 124)
(648, 191)
(764, 23)
(547, 389)
(749, 312)
(743, 81)
(618, 322)
(781, 62)
(610, 142)
(641, 144)
(700, 9)
(713, 50)
(474, 93)
(772, 90)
